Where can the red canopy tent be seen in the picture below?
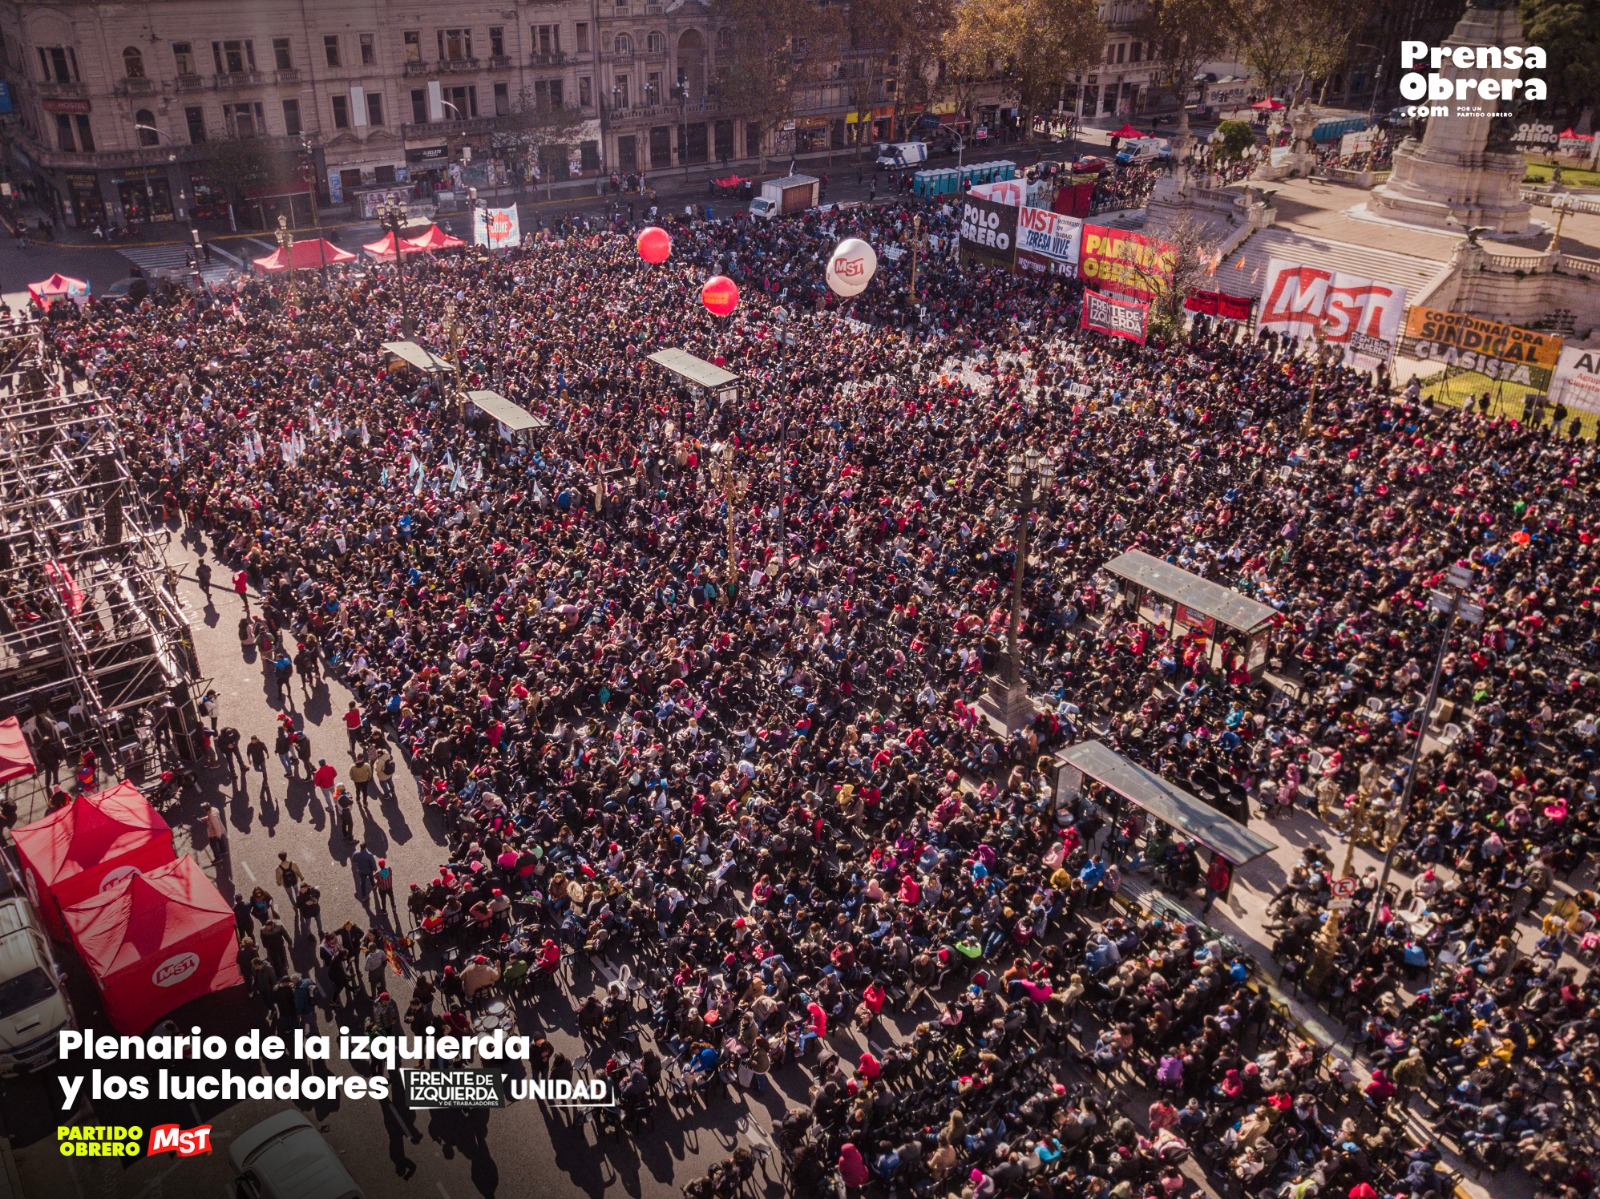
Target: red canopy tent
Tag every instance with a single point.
(305, 256)
(1270, 105)
(16, 759)
(87, 846)
(58, 287)
(155, 941)
(383, 248)
(1129, 131)
(433, 238)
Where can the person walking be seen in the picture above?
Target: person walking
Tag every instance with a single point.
(243, 918)
(228, 751)
(323, 779)
(352, 725)
(308, 907)
(289, 875)
(283, 746)
(374, 962)
(361, 778)
(202, 575)
(364, 866)
(305, 1001)
(383, 772)
(256, 751)
(275, 941)
(216, 831)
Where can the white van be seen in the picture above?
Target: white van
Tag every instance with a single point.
(897, 156)
(285, 1157)
(33, 1007)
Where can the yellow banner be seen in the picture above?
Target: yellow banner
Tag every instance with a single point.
(1485, 338)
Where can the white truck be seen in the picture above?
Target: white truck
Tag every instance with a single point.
(33, 1006)
(897, 156)
(786, 196)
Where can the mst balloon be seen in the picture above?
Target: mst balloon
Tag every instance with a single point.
(851, 267)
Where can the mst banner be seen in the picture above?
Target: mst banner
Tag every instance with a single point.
(988, 233)
(1115, 318)
(1048, 242)
(1496, 349)
(1357, 314)
(1577, 379)
(1129, 263)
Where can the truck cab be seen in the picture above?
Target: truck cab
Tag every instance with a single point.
(33, 1006)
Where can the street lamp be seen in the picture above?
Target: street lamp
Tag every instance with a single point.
(1008, 699)
(308, 151)
(733, 489)
(474, 204)
(286, 244)
(392, 217)
(149, 193)
(916, 240)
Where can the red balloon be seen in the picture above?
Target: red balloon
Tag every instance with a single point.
(720, 295)
(653, 244)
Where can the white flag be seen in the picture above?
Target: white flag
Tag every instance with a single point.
(457, 482)
(366, 438)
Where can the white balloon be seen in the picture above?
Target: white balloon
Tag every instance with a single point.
(851, 267)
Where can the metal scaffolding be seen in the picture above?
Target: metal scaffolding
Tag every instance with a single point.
(95, 649)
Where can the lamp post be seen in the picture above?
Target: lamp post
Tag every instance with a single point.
(1007, 700)
(916, 240)
(1326, 946)
(452, 329)
(286, 244)
(474, 206)
(393, 218)
(733, 489)
(308, 151)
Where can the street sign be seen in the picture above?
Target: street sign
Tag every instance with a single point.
(1459, 576)
(1344, 888)
(1340, 905)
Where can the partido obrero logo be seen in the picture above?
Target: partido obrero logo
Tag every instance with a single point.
(1492, 92)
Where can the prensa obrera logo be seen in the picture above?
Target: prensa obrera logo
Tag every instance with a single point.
(1496, 82)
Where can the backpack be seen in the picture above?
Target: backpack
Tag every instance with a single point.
(290, 878)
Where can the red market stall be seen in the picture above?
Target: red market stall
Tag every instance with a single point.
(1128, 130)
(432, 238)
(87, 846)
(16, 759)
(383, 248)
(58, 287)
(304, 256)
(156, 941)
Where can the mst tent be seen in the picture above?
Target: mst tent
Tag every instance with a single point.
(1234, 626)
(16, 759)
(304, 256)
(155, 941)
(58, 287)
(516, 422)
(1189, 816)
(87, 846)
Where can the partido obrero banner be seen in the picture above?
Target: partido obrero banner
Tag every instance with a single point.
(1128, 263)
(1114, 317)
(1499, 350)
(988, 233)
(1361, 316)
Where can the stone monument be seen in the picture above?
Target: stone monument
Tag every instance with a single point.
(1464, 171)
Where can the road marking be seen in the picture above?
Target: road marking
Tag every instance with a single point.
(249, 871)
(442, 1191)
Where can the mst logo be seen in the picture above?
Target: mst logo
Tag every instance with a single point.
(175, 969)
(174, 1138)
(850, 268)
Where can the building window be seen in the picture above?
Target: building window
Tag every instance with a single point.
(341, 112)
(291, 117)
(195, 118)
(59, 64)
(330, 47)
(455, 45)
(244, 120)
(502, 100)
(85, 134)
(1133, 55)
(1122, 51)
(369, 50)
(374, 108)
(586, 92)
(144, 124)
(547, 38)
(725, 38)
(656, 43)
(549, 93)
(419, 106)
(233, 57)
(280, 54)
(64, 134)
(133, 63)
(497, 41)
(623, 45)
(183, 58)
(462, 102)
(583, 37)
(413, 43)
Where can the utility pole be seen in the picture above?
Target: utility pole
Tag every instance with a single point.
(916, 239)
(1450, 601)
(286, 244)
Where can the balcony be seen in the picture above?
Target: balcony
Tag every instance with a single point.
(230, 79)
(499, 62)
(674, 112)
(548, 58)
(144, 156)
(62, 91)
(288, 76)
(436, 129)
(136, 87)
(456, 66)
(191, 83)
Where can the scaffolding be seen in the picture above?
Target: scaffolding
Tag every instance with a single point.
(95, 648)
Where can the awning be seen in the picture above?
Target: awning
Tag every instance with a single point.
(1191, 816)
(425, 361)
(512, 416)
(1200, 595)
(696, 370)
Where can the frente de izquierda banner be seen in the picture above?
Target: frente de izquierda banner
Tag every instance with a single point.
(1115, 317)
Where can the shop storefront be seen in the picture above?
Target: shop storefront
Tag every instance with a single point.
(84, 203)
(429, 166)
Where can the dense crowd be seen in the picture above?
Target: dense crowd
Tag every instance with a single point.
(777, 790)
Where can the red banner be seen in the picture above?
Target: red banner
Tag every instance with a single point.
(1219, 303)
(1115, 318)
(1128, 263)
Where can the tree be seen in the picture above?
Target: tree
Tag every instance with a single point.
(1183, 36)
(1039, 45)
(775, 51)
(1232, 139)
(535, 131)
(897, 42)
(1303, 40)
(1194, 254)
(251, 165)
(1569, 32)
(969, 59)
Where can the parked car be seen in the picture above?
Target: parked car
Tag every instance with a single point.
(34, 1010)
(285, 1157)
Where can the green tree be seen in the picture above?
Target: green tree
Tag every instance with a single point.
(1039, 45)
(1569, 32)
(1293, 40)
(776, 52)
(535, 132)
(1184, 35)
(1232, 139)
(897, 42)
(250, 166)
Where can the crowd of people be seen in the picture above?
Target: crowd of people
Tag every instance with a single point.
(773, 784)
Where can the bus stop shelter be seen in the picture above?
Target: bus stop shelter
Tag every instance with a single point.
(1189, 816)
(698, 374)
(418, 358)
(1235, 627)
(516, 422)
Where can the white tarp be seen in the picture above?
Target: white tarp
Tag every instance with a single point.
(1576, 382)
(496, 228)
